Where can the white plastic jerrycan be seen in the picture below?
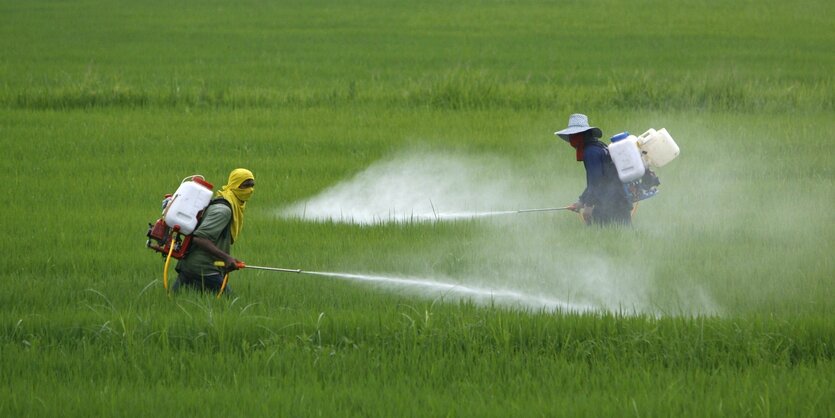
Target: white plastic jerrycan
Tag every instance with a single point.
(191, 197)
(627, 157)
(657, 147)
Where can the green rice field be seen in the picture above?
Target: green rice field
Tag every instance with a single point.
(365, 121)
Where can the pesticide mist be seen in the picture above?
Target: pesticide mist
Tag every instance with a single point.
(535, 261)
(423, 186)
(451, 290)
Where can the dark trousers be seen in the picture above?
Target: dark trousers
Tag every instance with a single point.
(205, 283)
(602, 215)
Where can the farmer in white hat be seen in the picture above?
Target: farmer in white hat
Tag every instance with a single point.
(604, 200)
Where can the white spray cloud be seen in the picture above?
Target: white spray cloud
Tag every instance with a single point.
(420, 186)
(520, 262)
(450, 289)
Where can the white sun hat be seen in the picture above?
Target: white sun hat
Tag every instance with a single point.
(577, 123)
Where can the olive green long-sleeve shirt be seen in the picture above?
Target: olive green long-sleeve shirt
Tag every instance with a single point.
(214, 227)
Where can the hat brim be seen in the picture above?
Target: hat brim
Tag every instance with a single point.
(575, 130)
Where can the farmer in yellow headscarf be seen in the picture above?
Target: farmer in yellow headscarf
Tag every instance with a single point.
(218, 229)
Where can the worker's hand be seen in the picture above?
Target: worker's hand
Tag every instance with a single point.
(587, 212)
(231, 264)
(575, 207)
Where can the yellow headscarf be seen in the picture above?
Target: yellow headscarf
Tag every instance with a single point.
(237, 198)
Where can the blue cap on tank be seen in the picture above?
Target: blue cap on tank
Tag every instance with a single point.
(618, 137)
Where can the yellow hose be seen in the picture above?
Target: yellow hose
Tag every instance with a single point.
(167, 261)
(223, 285)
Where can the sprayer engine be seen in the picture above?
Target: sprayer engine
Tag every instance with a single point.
(643, 188)
(161, 238)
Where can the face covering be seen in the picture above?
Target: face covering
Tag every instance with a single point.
(243, 194)
(237, 198)
(578, 142)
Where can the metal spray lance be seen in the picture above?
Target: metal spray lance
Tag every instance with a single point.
(241, 265)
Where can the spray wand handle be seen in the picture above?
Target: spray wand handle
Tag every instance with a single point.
(238, 265)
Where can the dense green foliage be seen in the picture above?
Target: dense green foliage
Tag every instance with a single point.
(105, 106)
(748, 56)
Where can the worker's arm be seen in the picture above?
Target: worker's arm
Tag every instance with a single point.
(215, 223)
(208, 245)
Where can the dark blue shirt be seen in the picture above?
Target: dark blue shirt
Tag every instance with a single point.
(603, 187)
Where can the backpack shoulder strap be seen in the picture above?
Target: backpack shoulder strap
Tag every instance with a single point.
(604, 147)
(215, 201)
(224, 202)
(600, 144)
(220, 200)
(609, 168)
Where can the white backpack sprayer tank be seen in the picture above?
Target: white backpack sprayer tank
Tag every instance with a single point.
(657, 147)
(188, 201)
(180, 216)
(171, 234)
(634, 156)
(627, 157)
